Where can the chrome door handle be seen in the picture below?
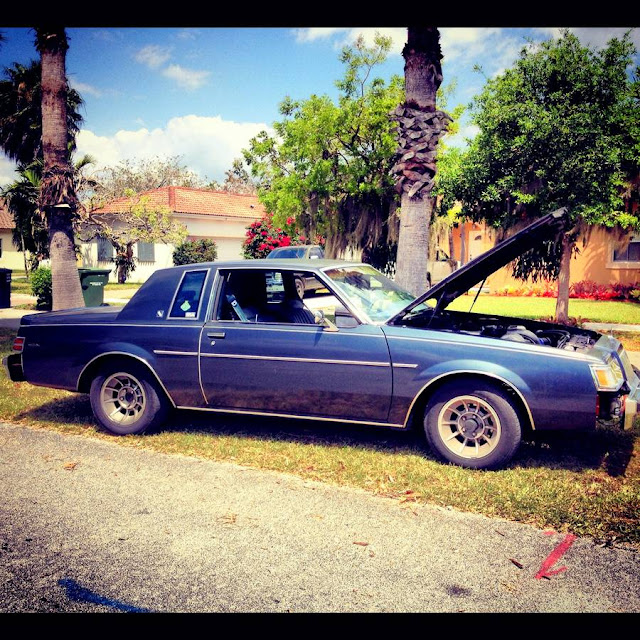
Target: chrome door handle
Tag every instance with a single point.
(216, 334)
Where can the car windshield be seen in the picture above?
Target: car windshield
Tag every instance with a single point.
(369, 291)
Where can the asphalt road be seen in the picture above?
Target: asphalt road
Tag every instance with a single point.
(92, 526)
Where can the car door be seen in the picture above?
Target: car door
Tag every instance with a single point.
(300, 369)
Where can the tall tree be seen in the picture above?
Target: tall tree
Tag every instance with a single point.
(561, 128)
(328, 163)
(58, 199)
(420, 126)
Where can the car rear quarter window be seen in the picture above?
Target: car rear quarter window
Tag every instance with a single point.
(186, 304)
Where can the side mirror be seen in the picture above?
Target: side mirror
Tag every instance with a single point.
(344, 320)
(323, 321)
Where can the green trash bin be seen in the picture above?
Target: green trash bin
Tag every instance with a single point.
(93, 282)
(5, 288)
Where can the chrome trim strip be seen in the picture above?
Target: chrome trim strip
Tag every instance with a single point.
(292, 359)
(478, 373)
(404, 366)
(162, 352)
(261, 326)
(121, 324)
(293, 415)
(572, 355)
(130, 355)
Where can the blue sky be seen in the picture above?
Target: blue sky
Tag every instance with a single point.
(202, 93)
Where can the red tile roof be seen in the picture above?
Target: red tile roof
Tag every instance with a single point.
(6, 219)
(196, 201)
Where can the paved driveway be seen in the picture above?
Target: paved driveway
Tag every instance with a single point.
(89, 525)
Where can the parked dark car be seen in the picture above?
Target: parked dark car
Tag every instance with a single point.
(310, 251)
(236, 337)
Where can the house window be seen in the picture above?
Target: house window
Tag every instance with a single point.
(146, 252)
(629, 252)
(0, 247)
(105, 250)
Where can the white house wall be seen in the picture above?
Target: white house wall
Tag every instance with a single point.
(10, 258)
(228, 234)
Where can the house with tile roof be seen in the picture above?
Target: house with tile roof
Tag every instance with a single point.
(216, 215)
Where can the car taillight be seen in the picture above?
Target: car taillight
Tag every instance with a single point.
(18, 344)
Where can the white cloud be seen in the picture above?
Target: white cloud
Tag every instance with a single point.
(316, 33)
(343, 37)
(207, 145)
(84, 88)
(7, 171)
(153, 56)
(186, 78)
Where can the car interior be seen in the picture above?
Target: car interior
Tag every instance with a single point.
(262, 296)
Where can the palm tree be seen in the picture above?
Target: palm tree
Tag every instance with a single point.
(20, 113)
(57, 191)
(420, 125)
(21, 198)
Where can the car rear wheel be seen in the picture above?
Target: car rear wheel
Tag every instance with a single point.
(472, 424)
(125, 400)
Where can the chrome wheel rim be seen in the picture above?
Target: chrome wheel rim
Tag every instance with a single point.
(469, 427)
(122, 398)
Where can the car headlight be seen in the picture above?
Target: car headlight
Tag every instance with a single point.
(607, 377)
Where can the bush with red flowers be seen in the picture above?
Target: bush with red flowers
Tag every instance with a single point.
(586, 289)
(262, 237)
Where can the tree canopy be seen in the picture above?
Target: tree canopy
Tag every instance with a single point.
(138, 176)
(561, 128)
(328, 163)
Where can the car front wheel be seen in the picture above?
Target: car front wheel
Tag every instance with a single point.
(125, 400)
(472, 424)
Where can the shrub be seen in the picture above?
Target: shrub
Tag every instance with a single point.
(40, 281)
(193, 251)
(262, 237)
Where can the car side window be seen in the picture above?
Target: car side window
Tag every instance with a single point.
(186, 303)
(269, 295)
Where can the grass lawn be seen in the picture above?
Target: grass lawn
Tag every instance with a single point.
(588, 484)
(534, 308)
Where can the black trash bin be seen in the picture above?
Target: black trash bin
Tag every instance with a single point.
(93, 282)
(5, 288)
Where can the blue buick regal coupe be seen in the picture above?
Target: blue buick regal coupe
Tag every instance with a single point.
(353, 348)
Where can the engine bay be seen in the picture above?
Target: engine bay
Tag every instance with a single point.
(511, 329)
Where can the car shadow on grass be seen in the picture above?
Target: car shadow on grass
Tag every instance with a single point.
(608, 449)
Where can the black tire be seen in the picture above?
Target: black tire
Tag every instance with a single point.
(473, 424)
(300, 287)
(126, 399)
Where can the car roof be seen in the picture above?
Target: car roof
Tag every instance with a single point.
(271, 263)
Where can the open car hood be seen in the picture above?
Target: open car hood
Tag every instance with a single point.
(480, 268)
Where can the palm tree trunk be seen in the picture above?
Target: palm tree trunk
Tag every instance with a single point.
(57, 193)
(420, 127)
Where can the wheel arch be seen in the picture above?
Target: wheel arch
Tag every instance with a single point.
(421, 401)
(91, 369)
